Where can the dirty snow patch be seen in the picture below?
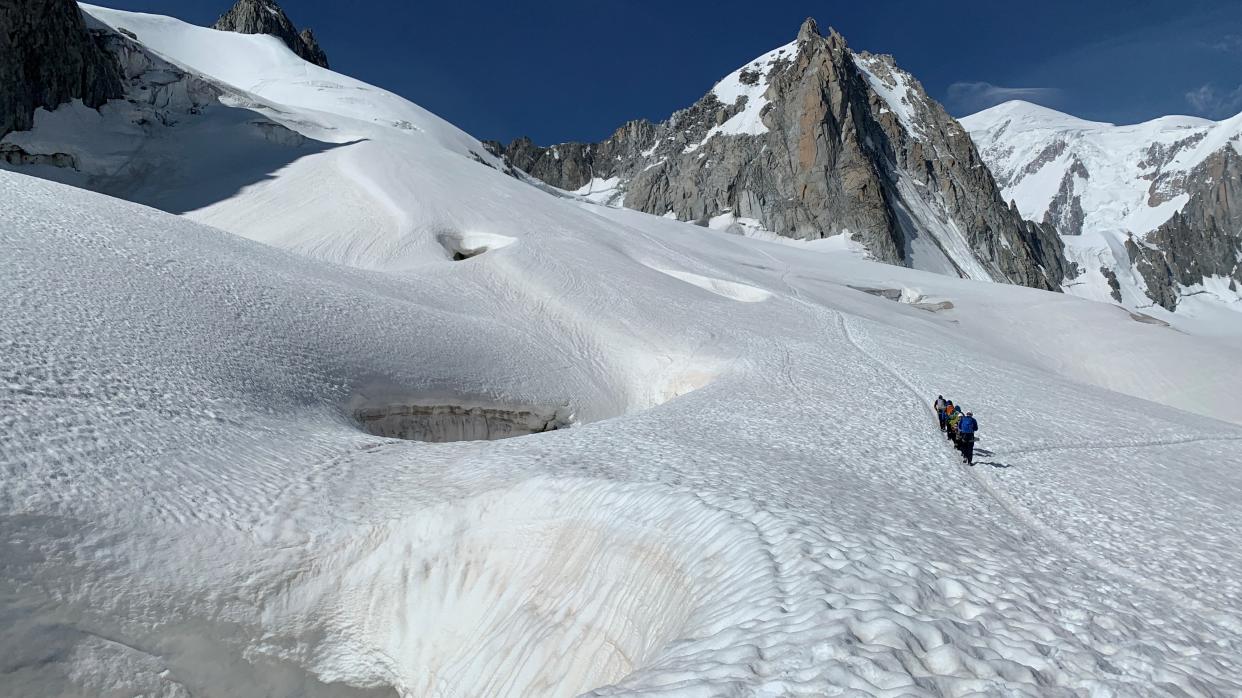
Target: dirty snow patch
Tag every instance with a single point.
(549, 587)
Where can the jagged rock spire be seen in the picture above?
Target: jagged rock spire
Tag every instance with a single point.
(266, 17)
(317, 56)
(809, 30)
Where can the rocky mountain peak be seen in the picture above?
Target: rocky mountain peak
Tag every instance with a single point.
(811, 140)
(266, 17)
(809, 30)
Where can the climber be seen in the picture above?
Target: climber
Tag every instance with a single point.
(940, 405)
(966, 441)
(953, 416)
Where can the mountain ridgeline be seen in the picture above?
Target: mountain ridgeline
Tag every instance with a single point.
(813, 140)
(49, 55)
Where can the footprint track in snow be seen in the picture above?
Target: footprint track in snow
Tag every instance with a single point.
(1060, 541)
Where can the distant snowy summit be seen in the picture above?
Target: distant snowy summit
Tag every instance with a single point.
(1154, 209)
(266, 17)
(812, 140)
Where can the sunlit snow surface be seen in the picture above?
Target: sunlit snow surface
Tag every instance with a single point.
(751, 83)
(753, 498)
(1133, 169)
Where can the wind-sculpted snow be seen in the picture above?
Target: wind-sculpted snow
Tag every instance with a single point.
(721, 287)
(461, 247)
(752, 499)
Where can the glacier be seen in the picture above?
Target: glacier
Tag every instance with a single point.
(745, 493)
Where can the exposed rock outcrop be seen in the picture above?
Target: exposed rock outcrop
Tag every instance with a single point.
(1065, 213)
(567, 166)
(314, 53)
(1203, 240)
(48, 57)
(266, 17)
(1114, 286)
(813, 140)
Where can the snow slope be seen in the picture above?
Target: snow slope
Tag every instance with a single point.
(751, 83)
(338, 169)
(264, 67)
(753, 498)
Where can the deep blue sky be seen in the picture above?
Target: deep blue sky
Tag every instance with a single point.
(561, 70)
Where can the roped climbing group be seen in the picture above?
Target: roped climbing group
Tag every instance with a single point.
(959, 427)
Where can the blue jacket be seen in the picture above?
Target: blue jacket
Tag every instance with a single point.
(968, 425)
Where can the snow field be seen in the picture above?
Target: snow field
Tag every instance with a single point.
(238, 513)
(752, 497)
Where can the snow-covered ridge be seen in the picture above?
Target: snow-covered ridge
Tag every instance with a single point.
(1134, 170)
(263, 66)
(751, 83)
(892, 85)
(1108, 187)
(1027, 115)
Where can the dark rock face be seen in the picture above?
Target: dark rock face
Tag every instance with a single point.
(1065, 213)
(571, 165)
(1114, 285)
(568, 165)
(266, 17)
(818, 141)
(48, 57)
(1204, 239)
(314, 53)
